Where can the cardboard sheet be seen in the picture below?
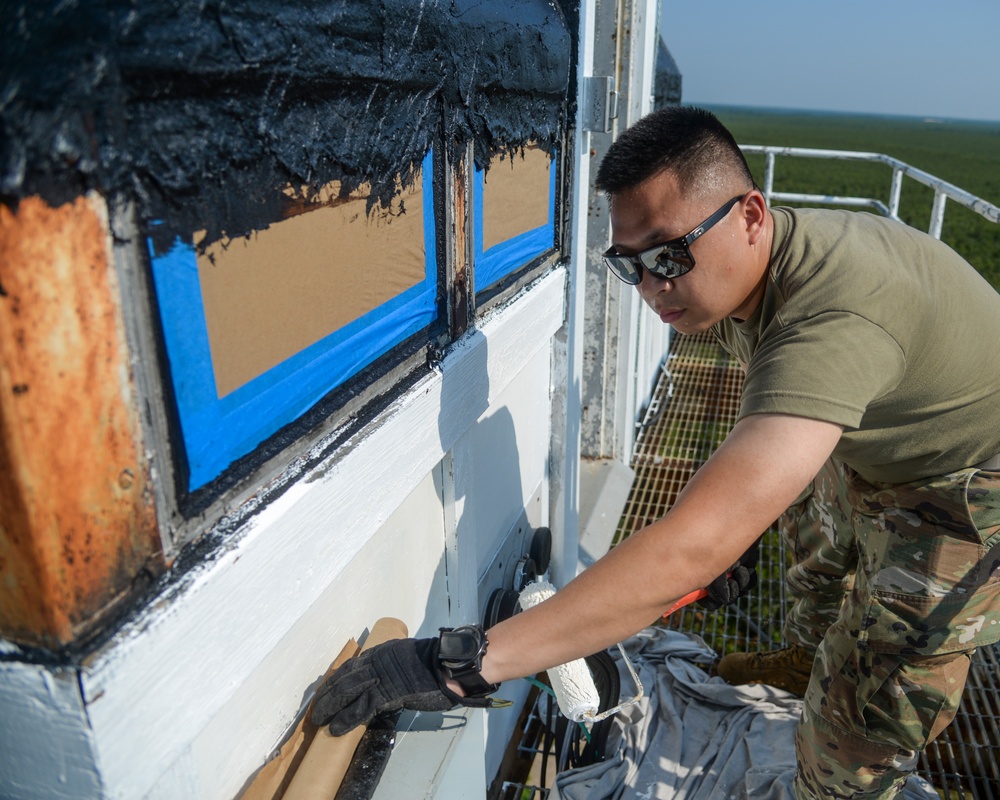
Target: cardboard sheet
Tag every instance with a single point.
(516, 195)
(274, 777)
(270, 296)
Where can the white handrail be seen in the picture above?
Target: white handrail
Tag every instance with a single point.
(943, 191)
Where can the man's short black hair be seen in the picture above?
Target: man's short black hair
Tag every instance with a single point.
(690, 142)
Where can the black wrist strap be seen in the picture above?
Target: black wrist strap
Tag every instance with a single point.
(473, 684)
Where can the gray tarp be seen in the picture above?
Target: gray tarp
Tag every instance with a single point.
(695, 737)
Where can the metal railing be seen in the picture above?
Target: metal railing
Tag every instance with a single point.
(943, 191)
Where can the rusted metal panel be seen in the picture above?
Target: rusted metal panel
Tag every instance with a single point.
(78, 530)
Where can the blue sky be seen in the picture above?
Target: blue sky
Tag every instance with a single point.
(913, 57)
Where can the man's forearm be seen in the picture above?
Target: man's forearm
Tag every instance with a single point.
(617, 596)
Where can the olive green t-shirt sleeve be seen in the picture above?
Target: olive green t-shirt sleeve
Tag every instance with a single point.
(829, 367)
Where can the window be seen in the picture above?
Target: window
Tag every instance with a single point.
(258, 329)
(514, 207)
(294, 335)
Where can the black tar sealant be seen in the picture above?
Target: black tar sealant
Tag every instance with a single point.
(202, 112)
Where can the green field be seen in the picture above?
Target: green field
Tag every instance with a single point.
(966, 154)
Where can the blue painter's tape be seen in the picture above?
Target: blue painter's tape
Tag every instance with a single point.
(217, 431)
(502, 259)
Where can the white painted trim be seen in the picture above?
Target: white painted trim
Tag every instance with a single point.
(567, 370)
(642, 59)
(159, 682)
(636, 335)
(46, 750)
(437, 756)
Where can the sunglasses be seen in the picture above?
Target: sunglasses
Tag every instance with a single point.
(669, 259)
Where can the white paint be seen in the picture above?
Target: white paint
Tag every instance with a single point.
(180, 780)
(460, 561)
(642, 60)
(514, 436)
(439, 757)
(47, 750)
(163, 680)
(644, 337)
(499, 468)
(399, 572)
(500, 724)
(567, 359)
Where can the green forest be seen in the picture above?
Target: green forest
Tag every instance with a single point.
(966, 154)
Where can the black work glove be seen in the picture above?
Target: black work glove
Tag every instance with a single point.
(739, 579)
(401, 673)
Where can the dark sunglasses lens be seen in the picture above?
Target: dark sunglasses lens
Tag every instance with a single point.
(668, 262)
(624, 268)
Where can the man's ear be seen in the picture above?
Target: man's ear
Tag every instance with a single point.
(755, 216)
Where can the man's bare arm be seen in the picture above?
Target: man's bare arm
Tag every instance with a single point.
(749, 481)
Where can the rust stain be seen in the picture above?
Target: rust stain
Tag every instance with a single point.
(460, 283)
(77, 522)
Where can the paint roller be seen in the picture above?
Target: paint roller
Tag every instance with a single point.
(574, 687)
(572, 683)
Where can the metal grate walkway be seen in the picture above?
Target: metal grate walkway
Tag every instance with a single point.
(694, 405)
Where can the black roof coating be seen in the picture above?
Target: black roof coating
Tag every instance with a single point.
(203, 111)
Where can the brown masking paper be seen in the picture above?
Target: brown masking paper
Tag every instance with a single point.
(275, 293)
(515, 195)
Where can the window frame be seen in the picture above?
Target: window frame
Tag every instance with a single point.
(317, 435)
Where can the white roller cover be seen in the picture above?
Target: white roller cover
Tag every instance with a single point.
(572, 683)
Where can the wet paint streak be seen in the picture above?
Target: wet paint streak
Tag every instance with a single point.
(203, 111)
(77, 523)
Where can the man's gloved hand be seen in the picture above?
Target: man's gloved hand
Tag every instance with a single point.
(401, 673)
(739, 579)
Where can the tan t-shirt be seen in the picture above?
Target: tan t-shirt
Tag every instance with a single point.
(881, 328)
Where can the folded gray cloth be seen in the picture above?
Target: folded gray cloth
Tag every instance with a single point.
(693, 737)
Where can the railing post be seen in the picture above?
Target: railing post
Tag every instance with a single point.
(894, 192)
(937, 214)
(768, 176)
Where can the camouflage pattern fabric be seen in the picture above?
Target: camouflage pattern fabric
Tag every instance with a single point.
(817, 531)
(896, 585)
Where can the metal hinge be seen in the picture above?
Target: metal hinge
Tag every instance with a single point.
(600, 104)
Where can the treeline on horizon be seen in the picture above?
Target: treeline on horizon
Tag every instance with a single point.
(966, 154)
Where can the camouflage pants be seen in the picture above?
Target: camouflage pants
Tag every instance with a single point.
(894, 586)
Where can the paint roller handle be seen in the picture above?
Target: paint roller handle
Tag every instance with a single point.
(690, 597)
(735, 582)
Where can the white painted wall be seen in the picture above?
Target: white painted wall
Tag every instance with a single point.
(399, 572)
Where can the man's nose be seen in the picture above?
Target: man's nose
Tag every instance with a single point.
(651, 284)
